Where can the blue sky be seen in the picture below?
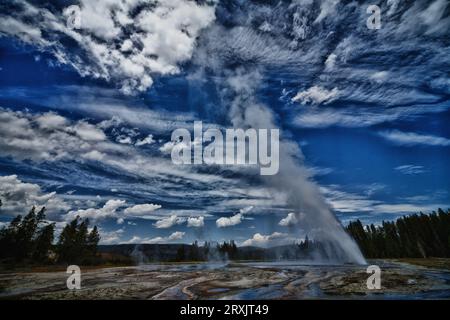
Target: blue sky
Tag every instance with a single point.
(86, 114)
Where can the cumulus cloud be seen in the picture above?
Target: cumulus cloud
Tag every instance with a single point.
(109, 210)
(177, 235)
(412, 138)
(125, 41)
(141, 209)
(146, 140)
(81, 141)
(111, 237)
(196, 222)
(169, 222)
(228, 222)
(49, 137)
(18, 197)
(261, 240)
(235, 219)
(290, 220)
(51, 121)
(316, 95)
(114, 209)
(88, 132)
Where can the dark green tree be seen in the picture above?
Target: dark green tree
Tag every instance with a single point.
(44, 241)
(27, 238)
(76, 245)
(414, 236)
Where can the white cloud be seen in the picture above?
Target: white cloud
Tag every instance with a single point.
(141, 209)
(167, 147)
(147, 140)
(316, 95)
(89, 132)
(124, 41)
(273, 239)
(169, 222)
(236, 219)
(407, 208)
(357, 117)
(109, 210)
(81, 141)
(18, 197)
(196, 222)
(177, 235)
(246, 209)
(410, 169)
(330, 62)
(228, 222)
(51, 121)
(327, 8)
(347, 203)
(94, 155)
(124, 140)
(53, 138)
(412, 138)
(110, 237)
(380, 77)
(290, 220)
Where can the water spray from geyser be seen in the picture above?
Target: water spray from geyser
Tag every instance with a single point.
(313, 214)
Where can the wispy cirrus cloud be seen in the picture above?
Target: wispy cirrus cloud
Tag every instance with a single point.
(410, 169)
(411, 138)
(347, 203)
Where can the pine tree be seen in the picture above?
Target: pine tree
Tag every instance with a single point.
(27, 238)
(93, 240)
(415, 236)
(76, 245)
(44, 242)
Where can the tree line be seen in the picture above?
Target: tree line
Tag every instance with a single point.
(228, 250)
(414, 236)
(194, 252)
(30, 239)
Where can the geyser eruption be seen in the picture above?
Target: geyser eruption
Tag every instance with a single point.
(303, 195)
(249, 39)
(316, 219)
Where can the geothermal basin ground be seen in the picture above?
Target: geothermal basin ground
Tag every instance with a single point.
(415, 279)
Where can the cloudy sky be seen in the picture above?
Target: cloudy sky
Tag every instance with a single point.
(86, 114)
